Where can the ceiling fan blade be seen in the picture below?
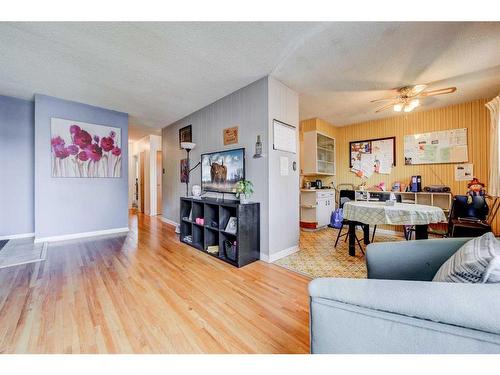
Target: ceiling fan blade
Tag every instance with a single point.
(387, 106)
(417, 89)
(383, 99)
(447, 90)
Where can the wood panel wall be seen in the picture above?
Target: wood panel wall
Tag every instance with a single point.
(471, 115)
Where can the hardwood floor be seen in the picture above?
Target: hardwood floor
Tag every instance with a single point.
(145, 292)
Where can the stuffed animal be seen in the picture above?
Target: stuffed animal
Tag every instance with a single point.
(475, 188)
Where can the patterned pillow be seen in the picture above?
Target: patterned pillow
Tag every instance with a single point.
(477, 261)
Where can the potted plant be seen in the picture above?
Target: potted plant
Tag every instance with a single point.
(244, 189)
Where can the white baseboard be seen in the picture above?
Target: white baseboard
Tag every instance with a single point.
(280, 254)
(74, 236)
(168, 221)
(16, 236)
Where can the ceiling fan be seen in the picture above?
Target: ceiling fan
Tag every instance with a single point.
(408, 97)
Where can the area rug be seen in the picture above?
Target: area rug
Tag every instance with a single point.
(317, 256)
(3, 243)
(21, 251)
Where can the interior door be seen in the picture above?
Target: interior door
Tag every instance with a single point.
(159, 176)
(142, 155)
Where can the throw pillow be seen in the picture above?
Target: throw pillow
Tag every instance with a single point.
(477, 261)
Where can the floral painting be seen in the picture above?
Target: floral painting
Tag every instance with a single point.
(80, 149)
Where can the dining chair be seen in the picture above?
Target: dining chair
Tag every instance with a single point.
(347, 196)
(385, 197)
(468, 219)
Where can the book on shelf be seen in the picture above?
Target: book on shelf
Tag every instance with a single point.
(213, 249)
(232, 225)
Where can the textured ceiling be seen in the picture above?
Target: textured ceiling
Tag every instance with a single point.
(156, 72)
(160, 72)
(343, 66)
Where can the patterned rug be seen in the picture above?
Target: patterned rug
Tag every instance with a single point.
(318, 257)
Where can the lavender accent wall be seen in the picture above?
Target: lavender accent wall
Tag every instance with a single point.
(65, 206)
(17, 166)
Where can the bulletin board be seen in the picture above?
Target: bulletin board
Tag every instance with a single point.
(372, 156)
(447, 146)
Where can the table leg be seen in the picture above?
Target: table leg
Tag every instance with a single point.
(366, 234)
(352, 238)
(421, 232)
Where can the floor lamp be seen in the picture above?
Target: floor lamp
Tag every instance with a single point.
(188, 146)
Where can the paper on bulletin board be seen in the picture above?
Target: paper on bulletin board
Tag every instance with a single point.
(385, 166)
(464, 172)
(367, 163)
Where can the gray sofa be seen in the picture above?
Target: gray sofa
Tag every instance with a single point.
(398, 309)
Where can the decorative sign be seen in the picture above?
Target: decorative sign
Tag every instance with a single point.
(231, 135)
(448, 146)
(372, 156)
(285, 137)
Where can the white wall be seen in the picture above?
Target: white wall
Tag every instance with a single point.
(245, 108)
(154, 146)
(283, 190)
(252, 109)
(131, 173)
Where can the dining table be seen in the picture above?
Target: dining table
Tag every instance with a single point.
(379, 213)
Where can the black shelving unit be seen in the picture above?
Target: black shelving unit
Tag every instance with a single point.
(216, 214)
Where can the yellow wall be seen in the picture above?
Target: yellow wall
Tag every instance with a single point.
(472, 115)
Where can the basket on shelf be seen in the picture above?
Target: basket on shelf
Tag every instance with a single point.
(230, 250)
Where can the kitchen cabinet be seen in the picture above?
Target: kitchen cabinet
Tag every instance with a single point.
(316, 207)
(318, 154)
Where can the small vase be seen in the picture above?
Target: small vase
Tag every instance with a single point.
(244, 198)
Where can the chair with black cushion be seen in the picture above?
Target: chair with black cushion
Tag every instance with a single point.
(468, 219)
(382, 198)
(346, 196)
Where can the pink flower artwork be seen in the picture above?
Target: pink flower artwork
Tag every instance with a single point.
(85, 150)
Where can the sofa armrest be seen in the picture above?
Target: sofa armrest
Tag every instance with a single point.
(410, 260)
(472, 306)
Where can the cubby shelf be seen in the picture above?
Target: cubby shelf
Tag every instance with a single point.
(218, 212)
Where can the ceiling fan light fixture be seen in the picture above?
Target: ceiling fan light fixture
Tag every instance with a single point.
(398, 107)
(408, 98)
(414, 103)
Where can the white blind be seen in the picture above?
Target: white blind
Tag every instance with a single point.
(494, 175)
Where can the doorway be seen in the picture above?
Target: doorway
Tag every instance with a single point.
(159, 176)
(142, 156)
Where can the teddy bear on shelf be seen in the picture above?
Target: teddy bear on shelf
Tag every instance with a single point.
(475, 188)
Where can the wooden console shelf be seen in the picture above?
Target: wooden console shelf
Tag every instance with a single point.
(215, 214)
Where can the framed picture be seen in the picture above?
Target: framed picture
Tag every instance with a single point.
(230, 135)
(184, 170)
(83, 150)
(185, 134)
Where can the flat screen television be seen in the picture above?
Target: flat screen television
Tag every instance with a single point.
(221, 170)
